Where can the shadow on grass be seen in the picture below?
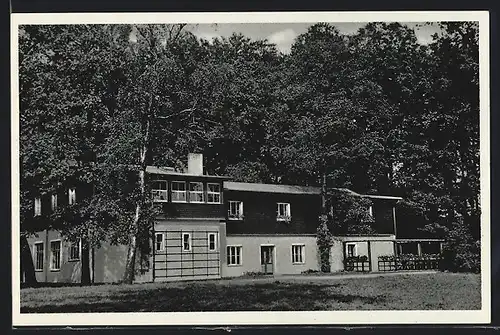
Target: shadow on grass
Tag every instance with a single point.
(45, 284)
(210, 297)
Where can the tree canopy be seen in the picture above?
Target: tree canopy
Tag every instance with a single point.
(374, 111)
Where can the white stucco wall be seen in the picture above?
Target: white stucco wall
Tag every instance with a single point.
(282, 254)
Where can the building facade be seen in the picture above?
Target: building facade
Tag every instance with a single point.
(211, 227)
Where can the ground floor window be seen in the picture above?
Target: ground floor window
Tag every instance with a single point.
(159, 242)
(233, 255)
(55, 255)
(186, 241)
(39, 256)
(351, 249)
(74, 251)
(298, 253)
(212, 241)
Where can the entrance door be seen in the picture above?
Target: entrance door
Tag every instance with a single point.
(266, 259)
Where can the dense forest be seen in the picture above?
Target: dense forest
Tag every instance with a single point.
(376, 112)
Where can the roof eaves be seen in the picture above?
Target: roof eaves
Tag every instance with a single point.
(370, 196)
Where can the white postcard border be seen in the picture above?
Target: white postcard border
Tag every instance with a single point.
(259, 318)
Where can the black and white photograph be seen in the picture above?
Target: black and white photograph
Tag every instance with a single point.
(167, 166)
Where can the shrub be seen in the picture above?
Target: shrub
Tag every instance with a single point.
(461, 253)
(254, 274)
(324, 241)
(308, 271)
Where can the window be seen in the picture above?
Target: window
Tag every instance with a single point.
(74, 250)
(53, 202)
(298, 253)
(235, 211)
(159, 191)
(186, 242)
(283, 213)
(159, 242)
(351, 249)
(212, 241)
(370, 210)
(196, 192)
(213, 193)
(55, 255)
(178, 191)
(233, 255)
(72, 196)
(38, 206)
(39, 256)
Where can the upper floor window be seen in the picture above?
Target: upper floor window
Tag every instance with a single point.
(213, 193)
(72, 196)
(159, 191)
(178, 191)
(283, 212)
(38, 206)
(53, 202)
(196, 192)
(235, 211)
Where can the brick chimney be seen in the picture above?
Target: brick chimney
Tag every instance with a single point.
(195, 164)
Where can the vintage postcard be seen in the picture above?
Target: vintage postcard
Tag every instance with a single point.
(250, 168)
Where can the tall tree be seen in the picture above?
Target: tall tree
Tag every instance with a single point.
(154, 100)
(61, 83)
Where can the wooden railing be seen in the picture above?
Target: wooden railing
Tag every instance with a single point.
(409, 262)
(357, 264)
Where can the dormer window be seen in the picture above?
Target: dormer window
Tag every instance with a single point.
(178, 191)
(159, 191)
(72, 196)
(283, 212)
(38, 206)
(213, 193)
(196, 192)
(235, 211)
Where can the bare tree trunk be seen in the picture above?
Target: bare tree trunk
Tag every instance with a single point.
(129, 274)
(27, 266)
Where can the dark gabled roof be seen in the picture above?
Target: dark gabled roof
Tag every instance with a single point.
(171, 172)
(271, 188)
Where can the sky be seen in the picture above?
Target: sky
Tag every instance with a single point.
(283, 34)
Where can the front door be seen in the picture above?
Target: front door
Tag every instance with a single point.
(266, 259)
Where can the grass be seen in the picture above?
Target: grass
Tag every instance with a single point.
(436, 291)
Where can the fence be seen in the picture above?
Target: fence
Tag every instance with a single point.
(357, 264)
(409, 262)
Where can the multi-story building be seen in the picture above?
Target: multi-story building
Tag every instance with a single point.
(211, 227)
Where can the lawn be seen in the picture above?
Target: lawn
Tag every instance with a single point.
(405, 292)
